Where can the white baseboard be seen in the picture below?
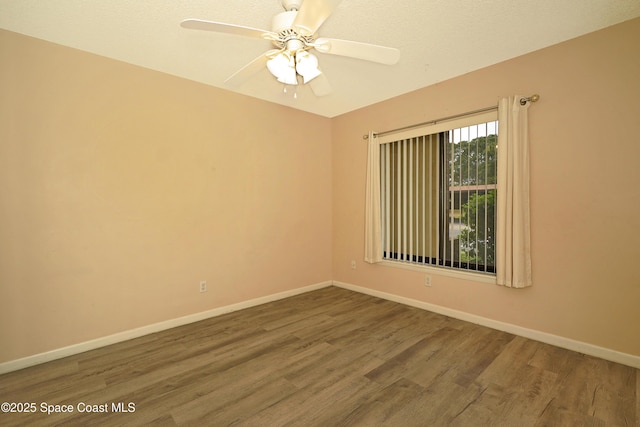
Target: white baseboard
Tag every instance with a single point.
(36, 359)
(558, 341)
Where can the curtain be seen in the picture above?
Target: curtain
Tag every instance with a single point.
(513, 251)
(373, 226)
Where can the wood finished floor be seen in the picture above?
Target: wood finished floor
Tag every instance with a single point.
(331, 357)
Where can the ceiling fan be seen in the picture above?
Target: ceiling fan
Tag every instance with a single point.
(293, 35)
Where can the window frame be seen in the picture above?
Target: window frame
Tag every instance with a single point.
(435, 128)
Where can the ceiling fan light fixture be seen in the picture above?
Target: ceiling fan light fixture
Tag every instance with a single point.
(307, 66)
(293, 34)
(290, 78)
(282, 66)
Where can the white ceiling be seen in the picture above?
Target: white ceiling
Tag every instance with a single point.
(438, 39)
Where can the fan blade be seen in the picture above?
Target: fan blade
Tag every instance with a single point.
(368, 52)
(219, 27)
(312, 14)
(321, 86)
(244, 73)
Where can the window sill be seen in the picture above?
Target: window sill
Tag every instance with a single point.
(465, 275)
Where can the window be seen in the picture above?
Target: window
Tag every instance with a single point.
(438, 194)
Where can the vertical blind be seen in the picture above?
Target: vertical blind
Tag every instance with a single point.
(409, 198)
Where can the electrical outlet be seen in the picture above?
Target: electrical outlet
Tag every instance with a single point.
(427, 281)
(203, 286)
(353, 264)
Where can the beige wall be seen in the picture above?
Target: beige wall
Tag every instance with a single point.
(121, 188)
(585, 189)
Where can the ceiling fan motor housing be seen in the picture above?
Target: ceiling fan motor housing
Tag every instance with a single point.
(283, 21)
(288, 37)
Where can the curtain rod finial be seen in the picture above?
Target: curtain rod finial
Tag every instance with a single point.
(532, 98)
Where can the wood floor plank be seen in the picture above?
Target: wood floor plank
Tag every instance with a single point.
(550, 358)
(484, 348)
(637, 397)
(210, 409)
(316, 404)
(35, 375)
(414, 358)
(516, 354)
(383, 404)
(492, 403)
(178, 394)
(436, 406)
(330, 357)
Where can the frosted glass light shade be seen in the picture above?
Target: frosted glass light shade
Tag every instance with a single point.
(307, 66)
(282, 67)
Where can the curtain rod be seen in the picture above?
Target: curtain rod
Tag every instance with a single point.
(523, 101)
